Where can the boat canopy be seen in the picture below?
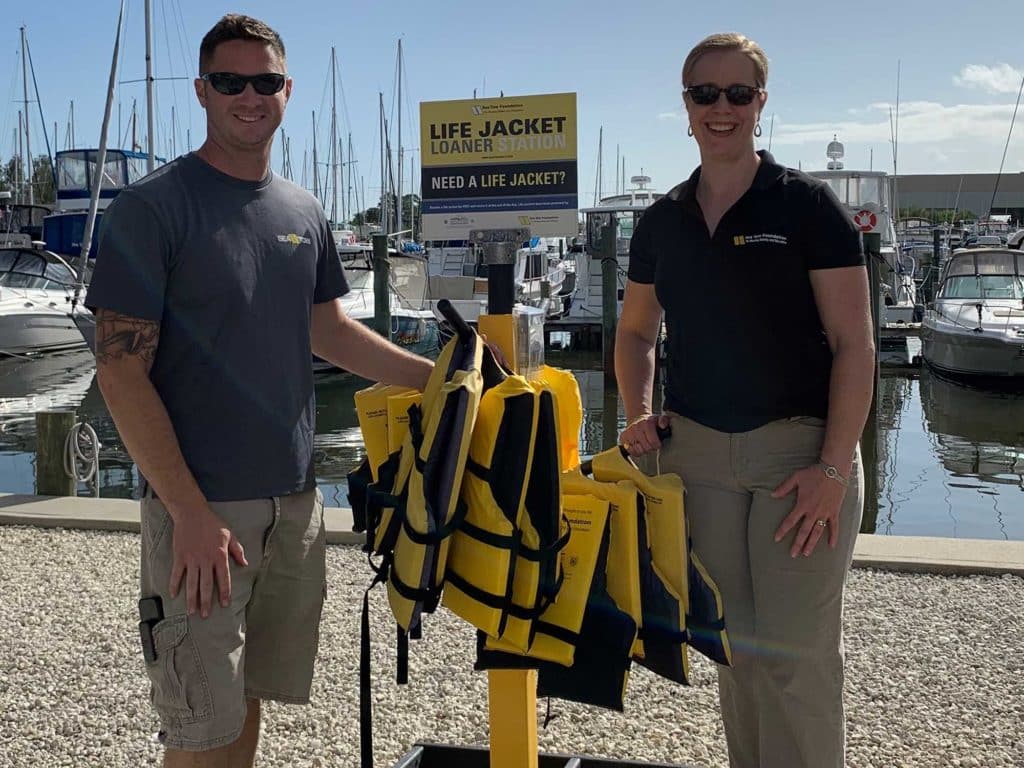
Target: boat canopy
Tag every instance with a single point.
(30, 268)
(76, 169)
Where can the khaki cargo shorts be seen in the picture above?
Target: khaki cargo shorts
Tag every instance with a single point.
(263, 645)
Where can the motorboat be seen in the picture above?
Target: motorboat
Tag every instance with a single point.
(36, 314)
(865, 195)
(541, 275)
(975, 327)
(623, 211)
(413, 325)
(75, 171)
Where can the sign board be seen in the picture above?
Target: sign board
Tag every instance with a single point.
(499, 163)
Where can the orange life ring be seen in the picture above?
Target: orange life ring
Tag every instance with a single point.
(865, 220)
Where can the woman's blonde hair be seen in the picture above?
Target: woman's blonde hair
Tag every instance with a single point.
(729, 41)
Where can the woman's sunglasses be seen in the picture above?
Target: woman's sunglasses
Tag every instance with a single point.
(230, 84)
(737, 95)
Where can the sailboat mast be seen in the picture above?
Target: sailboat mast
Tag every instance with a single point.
(398, 197)
(383, 179)
(101, 157)
(28, 144)
(150, 157)
(316, 173)
(334, 141)
(348, 169)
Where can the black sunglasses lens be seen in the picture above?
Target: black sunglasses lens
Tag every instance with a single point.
(704, 94)
(227, 83)
(268, 84)
(231, 84)
(739, 95)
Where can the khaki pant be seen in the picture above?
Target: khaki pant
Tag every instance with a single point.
(263, 645)
(782, 700)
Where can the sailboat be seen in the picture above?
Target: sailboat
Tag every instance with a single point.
(36, 285)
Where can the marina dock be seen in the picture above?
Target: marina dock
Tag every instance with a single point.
(916, 554)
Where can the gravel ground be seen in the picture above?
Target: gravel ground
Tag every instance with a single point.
(935, 674)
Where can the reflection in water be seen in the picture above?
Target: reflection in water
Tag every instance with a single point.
(950, 459)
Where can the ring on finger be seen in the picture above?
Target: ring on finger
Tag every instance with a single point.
(822, 523)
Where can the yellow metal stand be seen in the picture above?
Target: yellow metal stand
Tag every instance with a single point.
(512, 702)
(500, 330)
(511, 693)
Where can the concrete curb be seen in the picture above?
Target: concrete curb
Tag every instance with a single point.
(910, 554)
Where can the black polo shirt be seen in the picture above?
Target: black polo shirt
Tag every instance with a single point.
(745, 343)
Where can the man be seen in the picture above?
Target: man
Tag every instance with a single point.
(218, 281)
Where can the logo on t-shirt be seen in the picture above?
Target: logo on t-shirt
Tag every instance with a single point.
(294, 239)
(764, 237)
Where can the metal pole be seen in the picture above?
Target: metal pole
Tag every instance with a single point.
(150, 156)
(334, 143)
(398, 199)
(500, 259)
(28, 144)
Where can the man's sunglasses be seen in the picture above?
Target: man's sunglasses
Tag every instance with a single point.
(737, 95)
(230, 84)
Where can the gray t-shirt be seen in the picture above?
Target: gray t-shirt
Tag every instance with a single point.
(231, 270)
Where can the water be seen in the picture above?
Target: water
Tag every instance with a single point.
(950, 459)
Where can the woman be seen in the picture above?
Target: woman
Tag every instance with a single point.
(759, 275)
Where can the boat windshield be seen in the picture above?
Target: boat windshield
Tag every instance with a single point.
(76, 169)
(27, 269)
(855, 190)
(983, 287)
(625, 223)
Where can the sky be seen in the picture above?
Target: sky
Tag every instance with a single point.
(834, 69)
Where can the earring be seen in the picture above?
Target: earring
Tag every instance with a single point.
(757, 129)
(689, 130)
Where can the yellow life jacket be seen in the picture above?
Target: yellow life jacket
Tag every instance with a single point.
(681, 603)
(566, 390)
(503, 568)
(414, 506)
(583, 640)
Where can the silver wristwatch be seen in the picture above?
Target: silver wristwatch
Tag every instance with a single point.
(833, 474)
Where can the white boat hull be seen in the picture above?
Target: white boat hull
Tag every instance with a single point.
(27, 332)
(966, 353)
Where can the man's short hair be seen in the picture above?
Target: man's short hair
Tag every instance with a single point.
(237, 26)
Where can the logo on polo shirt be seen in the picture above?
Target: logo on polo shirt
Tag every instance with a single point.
(764, 237)
(294, 239)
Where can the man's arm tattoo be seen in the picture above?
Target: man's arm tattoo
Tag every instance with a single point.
(119, 336)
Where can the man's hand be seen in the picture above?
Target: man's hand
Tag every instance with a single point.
(201, 549)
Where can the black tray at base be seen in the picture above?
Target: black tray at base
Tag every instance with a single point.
(426, 755)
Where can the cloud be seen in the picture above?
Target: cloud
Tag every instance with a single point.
(662, 116)
(1001, 78)
(920, 122)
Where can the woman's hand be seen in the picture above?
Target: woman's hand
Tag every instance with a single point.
(641, 434)
(818, 500)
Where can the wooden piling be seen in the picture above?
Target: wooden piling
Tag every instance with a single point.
(609, 298)
(52, 428)
(381, 287)
(869, 439)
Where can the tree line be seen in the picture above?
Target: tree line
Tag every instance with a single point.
(12, 180)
